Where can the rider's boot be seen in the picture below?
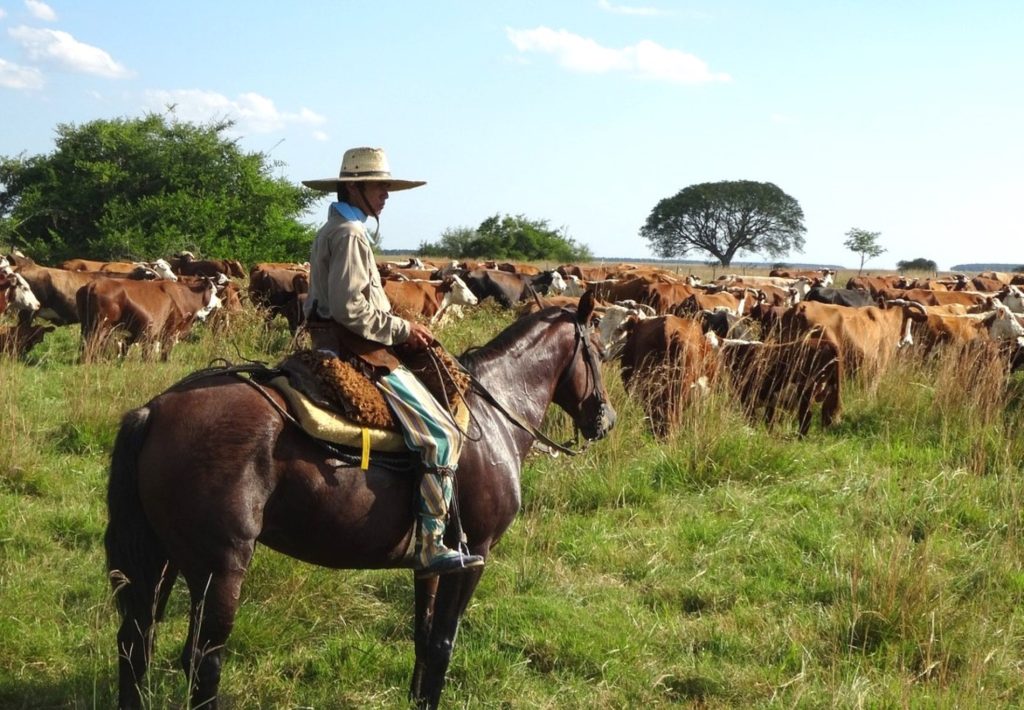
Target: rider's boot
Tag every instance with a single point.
(433, 557)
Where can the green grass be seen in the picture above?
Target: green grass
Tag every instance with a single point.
(875, 565)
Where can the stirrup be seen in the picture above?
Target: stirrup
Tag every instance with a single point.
(448, 562)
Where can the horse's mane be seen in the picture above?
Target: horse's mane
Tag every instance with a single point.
(503, 340)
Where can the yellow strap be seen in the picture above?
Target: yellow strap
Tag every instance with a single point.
(365, 463)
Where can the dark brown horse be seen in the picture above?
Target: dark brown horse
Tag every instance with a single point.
(209, 468)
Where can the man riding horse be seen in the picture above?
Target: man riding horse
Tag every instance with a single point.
(349, 315)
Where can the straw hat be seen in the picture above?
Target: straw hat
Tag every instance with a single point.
(363, 165)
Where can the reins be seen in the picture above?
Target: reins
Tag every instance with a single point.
(481, 389)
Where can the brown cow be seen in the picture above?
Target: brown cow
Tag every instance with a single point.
(873, 284)
(987, 285)
(395, 272)
(933, 298)
(185, 264)
(16, 340)
(868, 337)
(789, 375)
(664, 296)
(665, 361)
(277, 290)
(155, 313)
(702, 300)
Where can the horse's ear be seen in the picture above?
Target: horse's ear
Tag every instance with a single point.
(585, 308)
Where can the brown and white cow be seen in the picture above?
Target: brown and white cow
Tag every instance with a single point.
(428, 300)
(55, 291)
(933, 329)
(159, 269)
(15, 293)
(153, 313)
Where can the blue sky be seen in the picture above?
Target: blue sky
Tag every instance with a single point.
(903, 118)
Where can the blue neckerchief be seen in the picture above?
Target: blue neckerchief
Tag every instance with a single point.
(349, 212)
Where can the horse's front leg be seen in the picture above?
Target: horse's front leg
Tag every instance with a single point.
(426, 593)
(453, 595)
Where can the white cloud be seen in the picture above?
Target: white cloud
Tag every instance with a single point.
(3, 13)
(627, 10)
(320, 136)
(40, 10)
(645, 59)
(62, 50)
(14, 76)
(251, 112)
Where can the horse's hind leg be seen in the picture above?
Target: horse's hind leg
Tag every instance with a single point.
(140, 610)
(215, 599)
(426, 593)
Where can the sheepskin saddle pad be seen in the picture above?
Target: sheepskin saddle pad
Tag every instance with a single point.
(335, 385)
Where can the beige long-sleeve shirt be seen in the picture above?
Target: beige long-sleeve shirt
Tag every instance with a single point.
(345, 285)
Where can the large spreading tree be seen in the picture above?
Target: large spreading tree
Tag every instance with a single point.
(148, 187)
(507, 237)
(725, 218)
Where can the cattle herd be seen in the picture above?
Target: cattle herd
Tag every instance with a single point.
(784, 341)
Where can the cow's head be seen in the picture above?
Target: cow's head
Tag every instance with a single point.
(1013, 298)
(558, 284)
(457, 293)
(616, 323)
(211, 297)
(19, 294)
(1004, 324)
(163, 270)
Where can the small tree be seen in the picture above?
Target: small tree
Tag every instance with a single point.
(865, 243)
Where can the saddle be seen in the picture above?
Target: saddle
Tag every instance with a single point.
(337, 402)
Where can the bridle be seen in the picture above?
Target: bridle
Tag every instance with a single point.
(591, 362)
(582, 339)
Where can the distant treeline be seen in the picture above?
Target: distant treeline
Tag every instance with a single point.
(986, 267)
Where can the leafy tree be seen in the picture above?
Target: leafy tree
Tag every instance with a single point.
(723, 218)
(148, 187)
(865, 243)
(917, 265)
(508, 237)
(454, 242)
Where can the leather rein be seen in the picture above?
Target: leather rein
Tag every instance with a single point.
(582, 340)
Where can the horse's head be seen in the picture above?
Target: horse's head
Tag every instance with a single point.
(580, 389)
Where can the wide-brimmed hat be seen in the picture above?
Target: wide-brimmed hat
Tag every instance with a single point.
(363, 165)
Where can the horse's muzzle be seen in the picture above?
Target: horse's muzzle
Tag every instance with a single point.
(603, 422)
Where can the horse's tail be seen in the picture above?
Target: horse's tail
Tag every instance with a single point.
(135, 556)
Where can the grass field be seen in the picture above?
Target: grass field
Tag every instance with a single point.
(876, 565)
